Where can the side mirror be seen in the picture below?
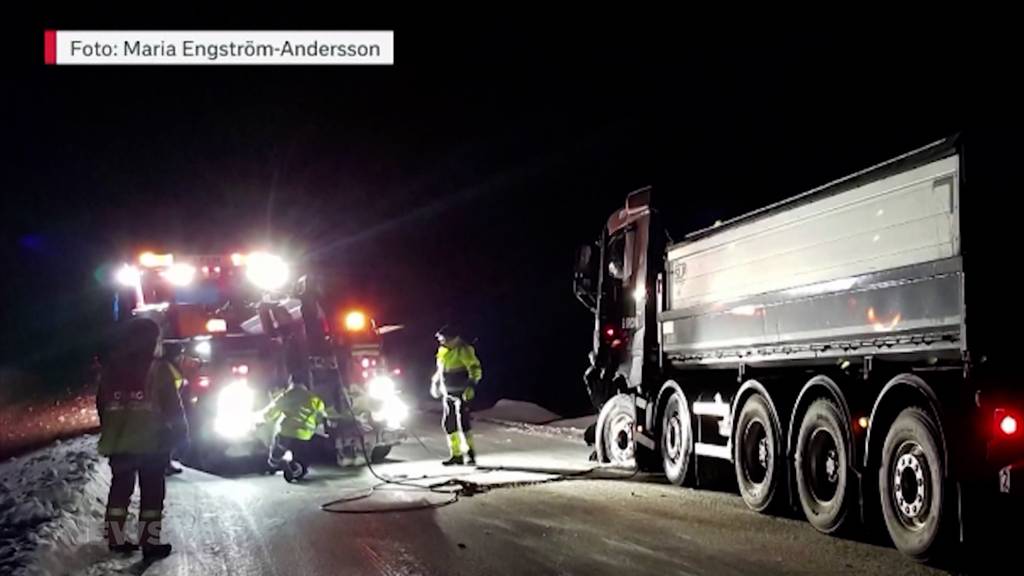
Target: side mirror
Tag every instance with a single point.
(583, 254)
(584, 277)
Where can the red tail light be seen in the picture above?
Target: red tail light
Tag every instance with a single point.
(241, 369)
(1006, 423)
(204, 382)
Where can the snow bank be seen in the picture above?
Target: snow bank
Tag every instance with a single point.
(51, 509)
(527, 417)
(517, 411)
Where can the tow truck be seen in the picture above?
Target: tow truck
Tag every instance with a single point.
(246, 328)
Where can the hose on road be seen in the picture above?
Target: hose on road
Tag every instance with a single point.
(406, 495)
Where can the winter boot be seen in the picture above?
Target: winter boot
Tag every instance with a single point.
(455, 449)
(117, 539)
(471, 453)
(150, 524)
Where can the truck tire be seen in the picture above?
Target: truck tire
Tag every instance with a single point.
(822, 466)
(912, 486)
(676, 439)
(756, 454)
(618, 419)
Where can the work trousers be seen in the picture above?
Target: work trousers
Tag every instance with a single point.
(149, 470)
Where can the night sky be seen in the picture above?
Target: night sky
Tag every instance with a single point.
(455, 185)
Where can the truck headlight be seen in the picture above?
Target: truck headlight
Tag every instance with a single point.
(203, 349)
(381, 388)
(266, 271)
(128, 276)
(393, 412)
(234, 410)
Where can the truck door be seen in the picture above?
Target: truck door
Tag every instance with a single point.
(627, 299)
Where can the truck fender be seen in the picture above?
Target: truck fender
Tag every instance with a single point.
(750, 387)
(654, 416)
(815, 386)
(900, 392)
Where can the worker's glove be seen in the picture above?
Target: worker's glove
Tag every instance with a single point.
(435, 390)
(468, 394)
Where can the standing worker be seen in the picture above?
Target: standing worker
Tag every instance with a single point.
(458, 373)
(141, 419)
(174, 353)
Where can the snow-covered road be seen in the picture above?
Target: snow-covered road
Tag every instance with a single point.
(259, 525)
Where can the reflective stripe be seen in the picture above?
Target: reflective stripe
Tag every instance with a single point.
(150, 514)
(455, 444)
(176, 374)
(117, 512)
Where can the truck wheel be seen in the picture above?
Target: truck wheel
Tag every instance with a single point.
(676, 439)
(822, 466)
(911, 484)
(618, 420)
(755, 454)
(379, 453)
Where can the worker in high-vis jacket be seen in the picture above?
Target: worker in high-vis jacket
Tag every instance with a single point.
(455, 381)
(295, 415)
(174, 353)
(141, 420)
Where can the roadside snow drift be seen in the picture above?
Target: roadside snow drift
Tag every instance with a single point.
(517, 411)
(51, 508)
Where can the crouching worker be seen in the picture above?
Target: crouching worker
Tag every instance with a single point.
(294, 415)
(141, 420)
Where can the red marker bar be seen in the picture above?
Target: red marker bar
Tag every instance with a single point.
(50, 46)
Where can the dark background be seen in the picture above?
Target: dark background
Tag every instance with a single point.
(455, 185)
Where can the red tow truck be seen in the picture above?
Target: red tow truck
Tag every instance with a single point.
(245, 327)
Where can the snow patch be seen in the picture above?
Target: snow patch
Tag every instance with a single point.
(518, 411)
(52, 503)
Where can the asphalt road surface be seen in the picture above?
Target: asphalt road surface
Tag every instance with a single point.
(522, 522)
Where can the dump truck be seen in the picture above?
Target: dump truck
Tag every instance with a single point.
(847, 352)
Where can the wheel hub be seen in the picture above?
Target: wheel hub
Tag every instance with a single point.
(909, 485)
(832, 466)
(762, 452)
(755, 453)
(621, 439)
(822, 465)
(673, 440)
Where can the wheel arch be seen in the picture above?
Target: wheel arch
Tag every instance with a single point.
(667, 389)
(820, 386)
(748, 389)
(901, 392)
